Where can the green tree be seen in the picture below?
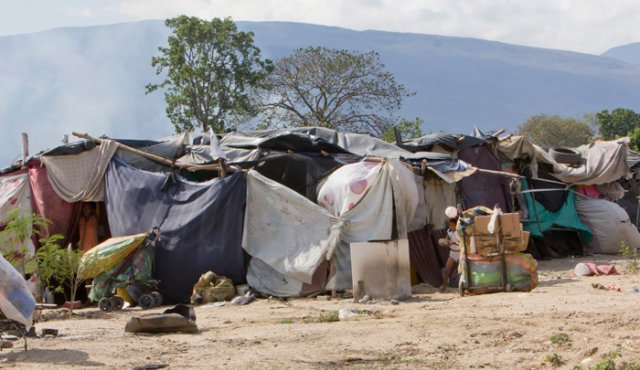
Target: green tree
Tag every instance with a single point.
(211, 69)
(408, 130)
(553, 130)
(617, 123)
(338, 89)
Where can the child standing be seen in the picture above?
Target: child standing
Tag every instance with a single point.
(454, 251)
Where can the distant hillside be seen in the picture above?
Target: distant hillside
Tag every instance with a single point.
(629, 53)
(92, 79)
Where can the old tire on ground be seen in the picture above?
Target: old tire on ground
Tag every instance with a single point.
(146, 301)
(105, 304)
(566, 155)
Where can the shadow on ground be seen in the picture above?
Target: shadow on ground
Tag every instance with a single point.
(50, 357)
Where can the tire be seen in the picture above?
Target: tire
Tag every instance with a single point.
(118, 302)
(105, 304)
(566, 155)
(157, 299)
(146, 301)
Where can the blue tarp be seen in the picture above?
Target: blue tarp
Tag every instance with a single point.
(200, 224)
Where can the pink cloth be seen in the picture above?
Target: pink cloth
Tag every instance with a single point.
(49, 205)
(601, 269)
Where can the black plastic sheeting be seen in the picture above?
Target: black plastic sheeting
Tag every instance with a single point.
(485, 189)
(447, 140)
(200, 224)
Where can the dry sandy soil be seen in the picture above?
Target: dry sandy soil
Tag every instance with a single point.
(563, 323)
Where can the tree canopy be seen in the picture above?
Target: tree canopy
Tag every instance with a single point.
(211, 69)
(338, 89)
(617, 123)
(553, 130)
(408, 130)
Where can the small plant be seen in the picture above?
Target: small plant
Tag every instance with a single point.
(15, 237)
(58, 269)
(553, 359)
(287, 321)
(631, 255)
(560, 338)
(607, 362)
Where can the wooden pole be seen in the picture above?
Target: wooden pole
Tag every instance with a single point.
(161, 160)
(25, 149)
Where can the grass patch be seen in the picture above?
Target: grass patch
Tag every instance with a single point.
(553, 359)
(287, 321)
(331, 316)
(560, 338)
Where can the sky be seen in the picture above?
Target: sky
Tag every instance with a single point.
(588, 26)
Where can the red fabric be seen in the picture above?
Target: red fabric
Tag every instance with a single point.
(48, 204)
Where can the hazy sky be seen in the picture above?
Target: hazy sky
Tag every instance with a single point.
(590, 26)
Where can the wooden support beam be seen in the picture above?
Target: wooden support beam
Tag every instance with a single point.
(220, 166)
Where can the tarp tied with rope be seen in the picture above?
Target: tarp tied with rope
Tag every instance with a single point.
(200, 223)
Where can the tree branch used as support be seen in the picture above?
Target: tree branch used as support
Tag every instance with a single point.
(164, 161)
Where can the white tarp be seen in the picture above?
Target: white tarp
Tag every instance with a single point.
(605, 161)
(364, 194)
(80, 177)
(609, 223)
(16, 301)
(15, 193)
(287, 235)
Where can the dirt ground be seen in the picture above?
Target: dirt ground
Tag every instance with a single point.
(563, 323)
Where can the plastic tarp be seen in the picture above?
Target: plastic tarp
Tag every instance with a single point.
(16, 301)
(364, 195)
(80, 177)
(485, 189)
(49, 205)
(200, 223)
(15, 193)
(605, 161)
(104, 256)
(306, 138)
(287, 235)
(542, 220)
(170, 149)
(610, 224)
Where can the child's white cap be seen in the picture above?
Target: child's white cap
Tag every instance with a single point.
(451, 212)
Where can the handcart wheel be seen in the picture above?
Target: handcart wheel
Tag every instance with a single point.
(146, 301)
(105, 304)
(461, 288)
(157, 298)
(118, 302)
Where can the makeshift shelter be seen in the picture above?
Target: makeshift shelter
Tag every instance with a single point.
(599, 165)
(200, 223)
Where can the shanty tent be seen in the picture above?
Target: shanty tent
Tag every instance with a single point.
(378, 201)
(200, 223)
(289, 238)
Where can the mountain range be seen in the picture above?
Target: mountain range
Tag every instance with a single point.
(92, 79)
